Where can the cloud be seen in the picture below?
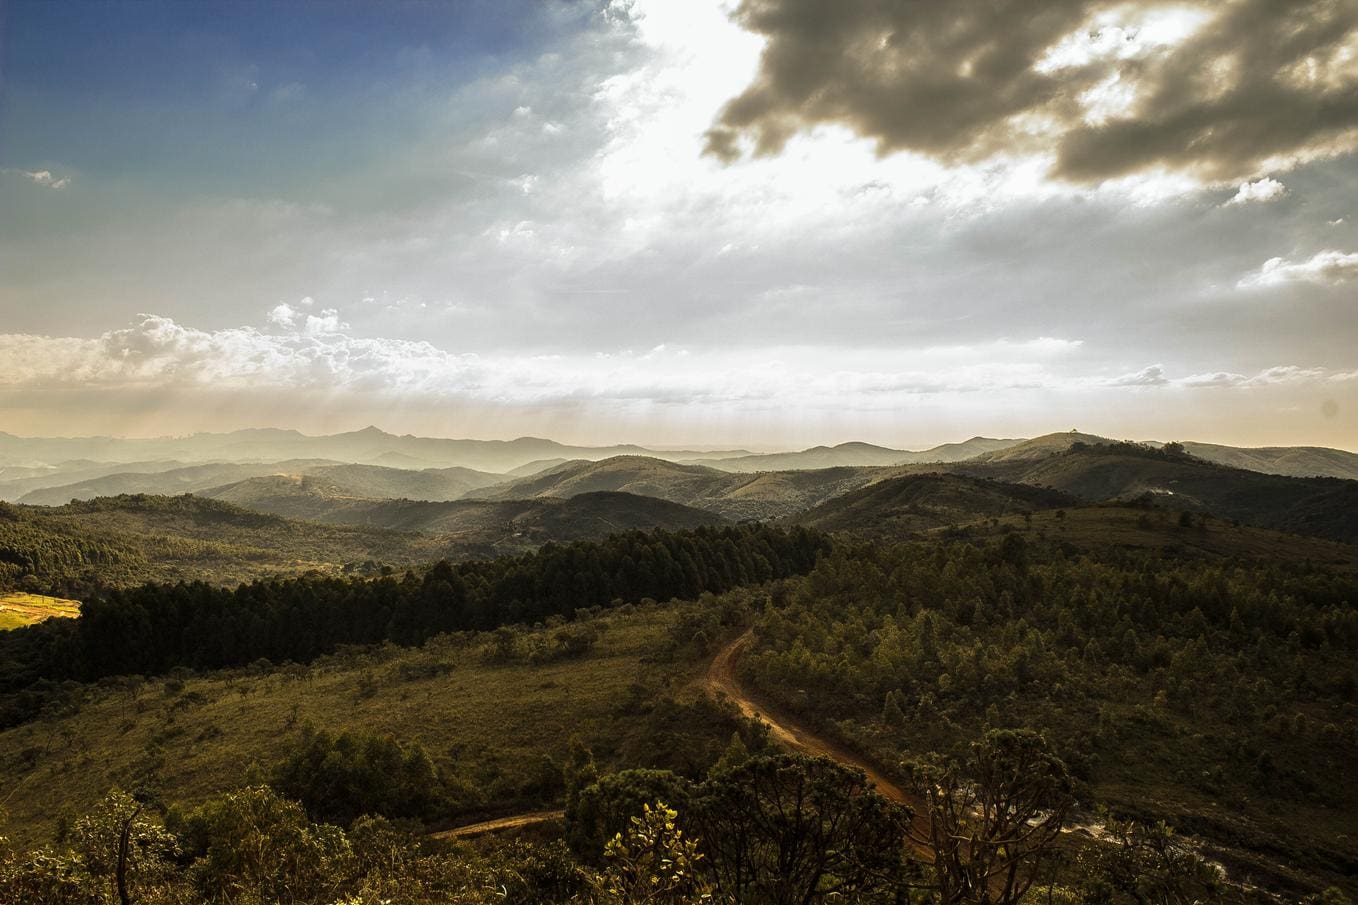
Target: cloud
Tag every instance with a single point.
(1275, 376)
(317, 354)
(1152, 376)
(42, 178)
(1261, 190)
(1220, 91)
(1325, 268)
(314, 357)
(1156, 376)
(283, 315)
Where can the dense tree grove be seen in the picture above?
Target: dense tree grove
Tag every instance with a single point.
(155, 628)
(341, 777)
(1158, 677)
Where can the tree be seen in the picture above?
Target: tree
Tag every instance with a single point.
(252, 845)
(122, 847)
(991, 820)
(605, 808)
(652, 863)
(792, 830)
(342, 777)
(1150, 863)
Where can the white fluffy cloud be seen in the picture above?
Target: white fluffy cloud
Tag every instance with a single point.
(1260, 190)
(1325, 268)
(43, 178)
(315, 355)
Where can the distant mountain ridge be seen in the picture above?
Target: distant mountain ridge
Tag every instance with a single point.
(367, 446)
(170, 482)
(859, 454)
(32, 464)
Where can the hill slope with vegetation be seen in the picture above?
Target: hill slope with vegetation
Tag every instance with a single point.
(759, 495)
(367, 481)
(917, 502)
(1120, 471)
(122, 541)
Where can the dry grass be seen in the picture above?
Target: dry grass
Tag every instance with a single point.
(19, 609)
(488, 724)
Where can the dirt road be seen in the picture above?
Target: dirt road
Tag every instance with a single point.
(721, 680)
(517, 821)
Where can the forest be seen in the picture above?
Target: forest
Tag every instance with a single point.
(152, 629)
(1217, 692)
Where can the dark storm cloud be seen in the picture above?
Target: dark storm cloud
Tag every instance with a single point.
(1261, 81)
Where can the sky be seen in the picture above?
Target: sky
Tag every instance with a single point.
(765, 223)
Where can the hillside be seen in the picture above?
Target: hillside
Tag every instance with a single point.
(859, 454)
(171, 482)
(17, 480)
(368, 481)
(127, 540)
(1322, 507)
(916, 502)
(492, 722)
(469, 527)
(439, 484)
(533, 468)
(1108, 526)
(1039, 447)
(1294, 461)
(736, 496)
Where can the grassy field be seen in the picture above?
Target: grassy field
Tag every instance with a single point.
(19, 609)
(497, 729)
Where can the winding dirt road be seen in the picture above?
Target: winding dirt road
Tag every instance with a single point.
(721, 681)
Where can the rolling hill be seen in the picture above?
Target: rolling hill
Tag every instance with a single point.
(171, 482)
(916, 502)
(859, 454)
(1039, 447)
(367, 481)
(119, 541)
(733, 495)
(479, 522)
(1104, 471)
(470, 528)
(18, 480)
(1294, 461)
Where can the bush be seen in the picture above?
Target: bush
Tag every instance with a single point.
(339, 778)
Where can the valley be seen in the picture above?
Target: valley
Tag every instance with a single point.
(655, 613)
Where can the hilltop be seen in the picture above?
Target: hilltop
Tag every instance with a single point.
(859, 454)
(1100, 471)
(916, 502)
